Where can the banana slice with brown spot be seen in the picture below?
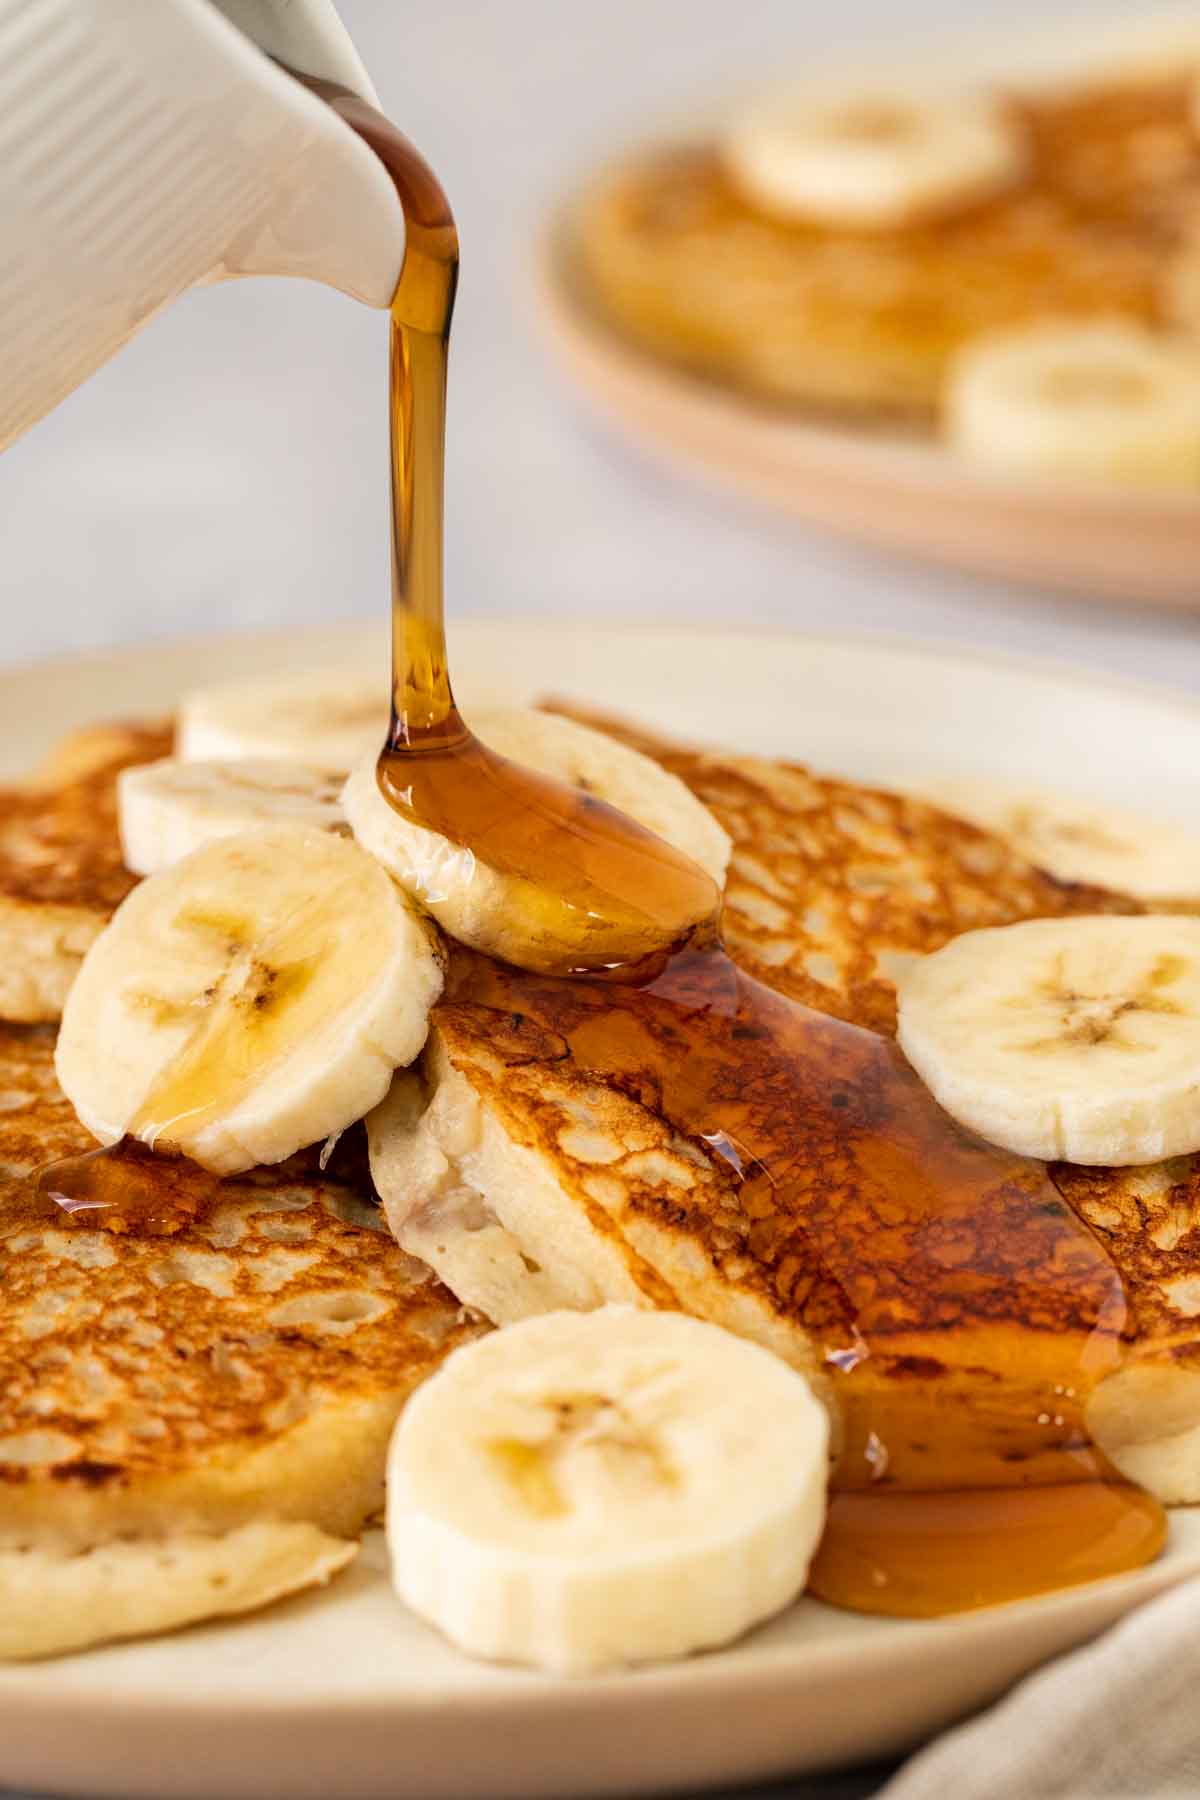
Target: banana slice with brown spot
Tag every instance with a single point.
(590, 1489)
(1078, 839)
(511, 912)
(1067, 1039)
(254, 998)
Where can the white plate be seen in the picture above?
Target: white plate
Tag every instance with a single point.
(343, 1693)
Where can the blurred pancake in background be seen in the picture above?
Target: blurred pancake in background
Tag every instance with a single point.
(839, 251)
(952, 312)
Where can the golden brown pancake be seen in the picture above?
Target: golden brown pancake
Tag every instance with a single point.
(677, 259)
(194, 1415)
(833, 887)
(1148, 1221)
(61, 871)
(537, 1159)
(940, 1292)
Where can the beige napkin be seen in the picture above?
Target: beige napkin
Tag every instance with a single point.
(1119, 1720)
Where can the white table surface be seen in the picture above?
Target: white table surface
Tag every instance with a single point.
(228, 468)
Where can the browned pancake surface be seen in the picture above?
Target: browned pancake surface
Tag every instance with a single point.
(61, 870)
(59, 843)
(247, 1364)
(833, 888)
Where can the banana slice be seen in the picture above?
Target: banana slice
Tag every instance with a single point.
(1067, 1039)
(252, 999)
(585, 1490)
(1102, 402)
(505, 914)
(168, 809)
(1077, 839)
(324, 718)
(873, 156)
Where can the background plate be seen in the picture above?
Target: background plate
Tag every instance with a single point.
(344, 1693)
(881, 487)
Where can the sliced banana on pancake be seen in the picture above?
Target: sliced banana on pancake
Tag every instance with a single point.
(254, 998)
(1078, 839)
(874, 155)
(509, 914)
(632, 782)
(592, 1489)
(1074, 1040)
(1100, 402)
(324, 718)
(168, 809)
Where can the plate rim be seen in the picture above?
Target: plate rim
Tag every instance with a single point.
(740, 1672)
(570, 317)
(1029, 663)
(725, 1668)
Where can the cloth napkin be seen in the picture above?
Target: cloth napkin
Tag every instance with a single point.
(1119, 1720)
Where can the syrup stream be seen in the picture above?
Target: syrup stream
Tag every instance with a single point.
(603, 866)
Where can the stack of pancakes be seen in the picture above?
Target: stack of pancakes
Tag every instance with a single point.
(194, 1421)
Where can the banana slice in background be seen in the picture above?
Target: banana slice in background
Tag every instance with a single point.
(254, 998)
(324, 718)
(168, 809)
(873, 155)
(1078, 839)
(1109, 401)
(1066, 1039)
(590, 1489)
(505, 914)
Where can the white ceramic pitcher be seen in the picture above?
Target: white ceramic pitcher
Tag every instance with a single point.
(148, 145)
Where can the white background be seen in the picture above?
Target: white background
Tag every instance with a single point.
(228, 469)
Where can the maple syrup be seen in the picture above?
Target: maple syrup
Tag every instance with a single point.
(964, 1314)
(128, 1189)
(587, 861)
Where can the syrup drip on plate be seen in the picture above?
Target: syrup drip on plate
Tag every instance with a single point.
(963, 1314)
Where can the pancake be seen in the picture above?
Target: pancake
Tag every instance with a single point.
(533, 1172)
(670, 253)
(193, 1415)
(939, 1294)
(61, 870)
(833, 887)
(1148, 1219)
